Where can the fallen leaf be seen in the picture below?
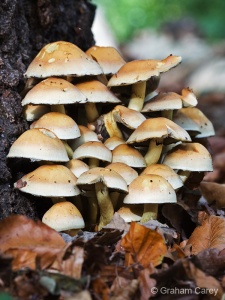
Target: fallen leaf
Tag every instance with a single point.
(118, 223)
(146, 283)
(27, 240)
(210, 261)
(211, 234)
(123, 289)
(183, 275)
(100, 289)
(143, 245)
(213, 192)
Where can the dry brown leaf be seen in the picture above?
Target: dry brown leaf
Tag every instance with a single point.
(211, 234)
(146, 283)
(27, 240)
(70, 261)
(100, 289)
(123, 288)
(143, 245)
(213, 191)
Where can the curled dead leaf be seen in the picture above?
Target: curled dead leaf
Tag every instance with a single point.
(211, 234)
(143, 245)
(26, 241)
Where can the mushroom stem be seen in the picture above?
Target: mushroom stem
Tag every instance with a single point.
(93, 162)
(150, 212)
(184, 175)
(91, 112)
(154, 152)
(105, 204)
(68, 150)
(92, 210)
(57, 199)
(137, 96)
(58, 108)
(168, 114)
(111, 125)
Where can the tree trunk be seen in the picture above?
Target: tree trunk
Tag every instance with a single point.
(25, 27)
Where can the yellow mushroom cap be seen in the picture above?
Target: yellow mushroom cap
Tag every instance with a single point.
(77, 167)
(62, 59)
(39, 144)
(93, 149)
(189, 157)
(63, 216)
(150, 188)
(108, 58)
(128, 173)
(128, 155)
(49, 181)
(62, 125)
(54, 91)
(166, 172)
(96, 92)
(160, 128)
(110, 178)
(128, 117)
(141, 70)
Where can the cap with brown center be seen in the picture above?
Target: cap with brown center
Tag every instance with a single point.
(95, 92)
(49, 181)
(128, 117)
(103, 179)
(166, 172)
(113, 142)
(54, 91)
(186, 122)
(189, 157)
(130, 213)
(77, 167)
(62, 59)
(108, 58)
(62, 125)
(151, 190)
(64, 216)
(95, 151)
(157, 131)
(128, 173)
(137, 72)
(86, 135)
(165, 103)
(196, 115)
(128, 155)
(39, 144)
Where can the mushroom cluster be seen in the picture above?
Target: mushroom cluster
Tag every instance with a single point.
(105, 136)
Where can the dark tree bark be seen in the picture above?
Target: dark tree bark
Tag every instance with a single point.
(25, 27)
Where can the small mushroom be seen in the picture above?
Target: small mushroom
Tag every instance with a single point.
(103, 179)
(39, 144)
(63, 126)
(95, 92)
(95, 152)
(156, 131)
(53, 181)
(150, 190)
(64, 216)
(137, 73)
(62, 58)
(128, 155)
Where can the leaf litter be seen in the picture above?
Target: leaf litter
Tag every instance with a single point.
(179, 256)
